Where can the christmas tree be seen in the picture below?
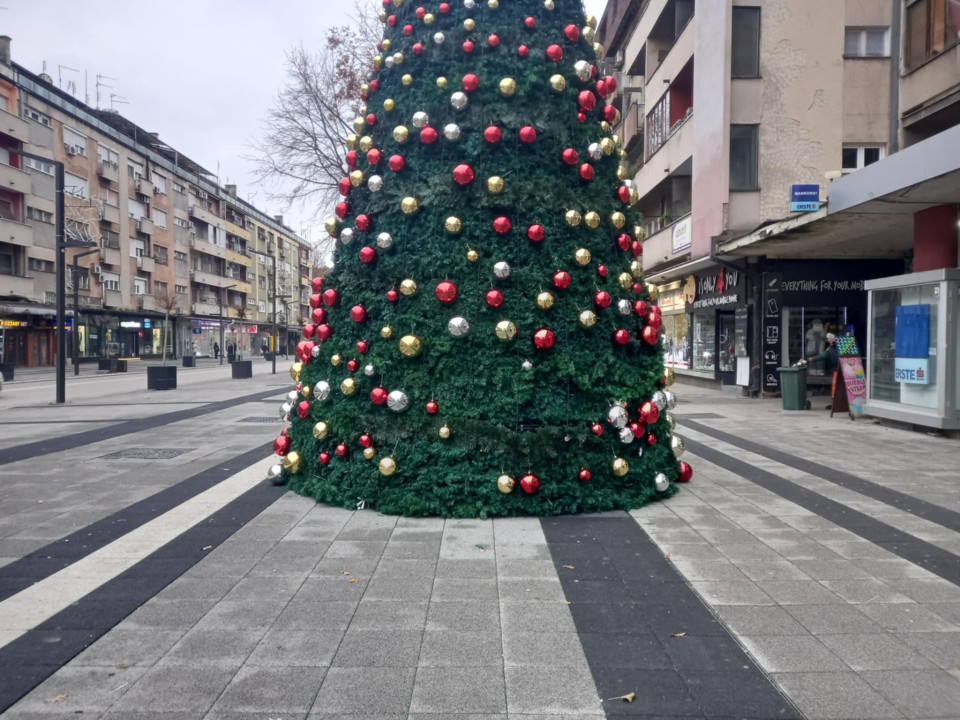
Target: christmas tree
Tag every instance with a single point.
(484, 344)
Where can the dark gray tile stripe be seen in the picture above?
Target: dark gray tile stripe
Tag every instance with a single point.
(52, 558)
(35, 656)
(627, 603)
(26, 451)
(945, 517)
(919, 552)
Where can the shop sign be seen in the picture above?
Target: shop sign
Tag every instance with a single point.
(804, 198)
(772, 284)
(130, 324)
(914, 371)
(682, 235)
(146, 324)
(720, 288)
(13, 323)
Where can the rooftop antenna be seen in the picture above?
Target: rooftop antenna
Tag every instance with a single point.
(60, 69)
(118, 100)
(101, 84)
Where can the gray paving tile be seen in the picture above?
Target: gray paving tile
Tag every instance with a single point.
(791, 653)
(401, 568)
(530, 616)
(464, 616)
(352, 566)
(470, 716)
(78, 691)
(265, 589)
(835, 696)
(748, 552)
(386, 615)
(169, 614)
(412, 550)
(379, 648)
(833, 619)
(129, 647)
(798, 592)
(177, 687)
(858, 549)
(399, 589)
(350, 691)
(732, 593)
(906, 617)
(926, 591)
(541, 589)
(918, 693)
(524, 568)
(311, 615)
(545, 649)
(760, 620)
(948, 611)
(841, 569)
(359, 549)
(865, 591)
(485, 569)
(272, 690)
(332, 587)
(464, 590)
(562, 690)
(129, 715)
(942, 648)
(452, 690)
(228, 566)
(716, 571)
(456, 648)
(366, 525)
(242, 615)
(191, 588)
(892, 569)
(875, 651)
(280, 647)
(765, 570)
(221, 646)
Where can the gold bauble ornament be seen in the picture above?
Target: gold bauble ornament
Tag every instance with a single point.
(410, 346)
(549, 4)
(352, 141)
(366, 143)
(469, 24)
(508, 86)
(607, 146)
(621, 172)
(617, 140)
(387, 466)
(441, 82)
(506, 330)
(618, 219)
(429, 18)
(335, 359)
(545, 300)
(676, 444)
(305, 391)
(592, 22)
(364, 110)
(620, 467)
(622, 154)
(588, 34)
(582, 256)
(452, 224)
(383, 16)
(401, 133)
(444, 432)
(588, 318)
(598, 50)
(356, 178)
(291, 462)
(389, 104)
(592, 219)
(668, 377)
(330, 225)
(408, 287)
(295, 371)
(671, 422)
(407, 80)
(385, 45)
(397, 58)
(377, 62)
(348, 386)
(397, 3)
(505, 484)
(495, 184)
(472, 255)
(653, 291)
(386, 332)
(625, 280)
(320, 430)
(573, 218)
(493, 4)
(409, 205)
(369, 452)
(636, 268)
(558, 82)
(639, 233)
(605, 126)
(358, 124)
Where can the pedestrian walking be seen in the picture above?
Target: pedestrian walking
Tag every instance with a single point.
(216, 351)
(830, 357)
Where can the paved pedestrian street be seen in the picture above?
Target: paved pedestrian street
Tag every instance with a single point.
(809, 570)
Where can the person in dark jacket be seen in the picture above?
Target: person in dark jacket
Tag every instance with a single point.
(830, 354)
(216, 350)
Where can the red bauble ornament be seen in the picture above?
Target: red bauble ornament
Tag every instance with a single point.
(374, 86)
(555, 52)
(586, 171)
(315, 300)
(444, 8)
(561, 279)
(601, 88)
(407, 29)
(587, 100)
(281, 446)
(365, 440)
(637, 429)
(330, 297)
(602, 270)
(363, 223)
(344, 186)
(530, 483)
(308, 330)
(650, 335)
(621, 337)
(597, 429)
(432, 407)
(367, 254)
(428, 135)
(316, 283)
(602, 299)
(323, 458)
(417, 48)
(649, 413)
(623, 241)
(392, 21)
(463, 174)
(493, 39)
(611, 83)
(371, 119)
(571, 32)
(536, 233)
(351, 159)
(582, 116)
(378, 396)
(523, 51)
(468, 46)
(324, 332)
(470, 82)
(362, 346)
(352, 365)
(421, 12)
(396, 163)
(653, 320)
(623, 194)
(494, 298)
(528, 134)
(583, 475)
(502, 225)
(609, 113)
(446, 291)
(636, 248)
(686, 472)
(530, 21)
(570, 156)
(543, 339)
(640, 307)
(637, 288)
(318, 315)
(492, 134)
(374, 156)
(303, 409)
(341, 450)
(393, 295)
(651, 439)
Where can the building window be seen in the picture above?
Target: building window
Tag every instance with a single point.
(74, 142)
(106, 155)
(36, 115)
(82, 279)
(76, 186)
(866, 42)
(39, 165)
(856, 157)
(134, 170)
(181, 289)
(177, 187)
(261, 306)
(136, 209)
(180, 222)
(160, 254)
(110, 197)
(159, 182)
(932, 26)
(111, 281)
(745, 56)
(39, 215)
(38, 265)
(160, 288)
(159, 218)
(139, 286)
(137, 248)
(743, 157)
(177, 255)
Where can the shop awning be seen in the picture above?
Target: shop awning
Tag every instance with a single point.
(29, 309)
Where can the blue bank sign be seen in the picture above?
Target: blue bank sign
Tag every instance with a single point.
(804, 198)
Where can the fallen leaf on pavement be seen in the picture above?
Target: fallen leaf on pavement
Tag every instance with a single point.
(344, 572)
(629, 697)
(207, 547)
(569, 567)
(354, 579)
(666, 556)
(481, 548)
(678, 634)
(57, 698)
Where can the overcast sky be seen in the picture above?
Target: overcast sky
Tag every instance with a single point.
(202, 73)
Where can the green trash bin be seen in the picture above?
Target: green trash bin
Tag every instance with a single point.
(793, 387)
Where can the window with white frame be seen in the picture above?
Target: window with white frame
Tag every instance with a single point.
(110, 197)
(180, 188)
(159, 218)
(111, 281)
(866, 42)
(82, 279)
(159, 182)
(856, 157)
(181, 289)
(74, 142)
(178, 255)
(38, 265)
(76, 186)
(39, 165)
(106, 155)
(36, 115)
(39, 215)
(134, 169)
(137, 248)
(139, 286)
(261, 306)
(136, 209)
(181, 222)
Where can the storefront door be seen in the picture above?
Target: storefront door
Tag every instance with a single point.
(726, 357)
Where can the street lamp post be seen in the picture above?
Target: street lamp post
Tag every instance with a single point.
(76, 309)
(222, 291)
(273, 295)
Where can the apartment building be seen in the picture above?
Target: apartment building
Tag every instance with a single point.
(169, 237)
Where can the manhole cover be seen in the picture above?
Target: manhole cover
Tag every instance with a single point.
(261, 419)
(147, 453)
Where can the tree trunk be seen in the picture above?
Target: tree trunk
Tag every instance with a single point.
(166, 322)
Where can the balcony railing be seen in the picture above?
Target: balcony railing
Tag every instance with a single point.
(15, 127)
(108, 170)
(16, 233)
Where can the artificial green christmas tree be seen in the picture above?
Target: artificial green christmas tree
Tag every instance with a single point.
(484, 344)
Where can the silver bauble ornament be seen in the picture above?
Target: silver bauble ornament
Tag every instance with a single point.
(660, 400)
(346, 236)
(661, 482)
(389, 61)
(315, 351)
(285, 409)
(375, 183)
(321, 391)
(398, 401)
(676, 444)
(469, 4)
(439, 37)
(451, 131)
(293, 396)
(458, 326)
(626, 436)
(384, 240)
(629, 184)
(617, 416)
(527, 365)
(369, 369)
(459, 100)
(624, 307)
(275, 472)
(583, 70)
(671, 398)
(501, 269)
(595, 151)
(420, 118)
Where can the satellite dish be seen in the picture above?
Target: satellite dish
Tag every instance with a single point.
(46, 78)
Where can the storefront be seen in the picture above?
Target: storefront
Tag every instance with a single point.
(205, 334)
(125, 335)
(676, 326)
(27, 334)
(711, 300)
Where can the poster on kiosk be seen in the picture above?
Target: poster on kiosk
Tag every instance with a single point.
(912, 358)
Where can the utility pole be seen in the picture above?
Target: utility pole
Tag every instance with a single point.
(275, 297)
(222, 348)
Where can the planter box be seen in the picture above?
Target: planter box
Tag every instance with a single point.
(107, 364)
(189, 361)
(162, 378)
(268, 356)
(6, 369)
(242, 369)
(121, 365)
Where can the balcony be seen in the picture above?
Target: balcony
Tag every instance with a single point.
(237, 258)
(146, 264)
(209, 248)
(144, 187)
(205, 215)
(14, 126)
(930, 95)
(14, 179)
(205, 308)
(16, 285)
(109, 213)
(112, 298)
(145, 226)
(16, 233)
(108, 171)
(147, 302)
(109, 256)
(209, 278)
